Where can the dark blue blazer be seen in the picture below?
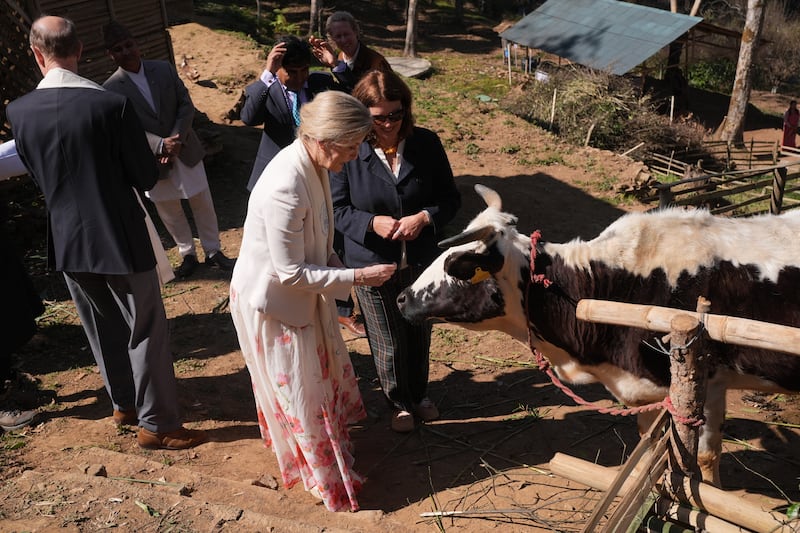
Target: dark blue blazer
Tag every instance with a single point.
(268, 106)
(365, 188)
(86, 150)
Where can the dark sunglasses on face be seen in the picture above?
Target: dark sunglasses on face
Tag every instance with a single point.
(394, 116)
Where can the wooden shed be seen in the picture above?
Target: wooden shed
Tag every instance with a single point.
(147, 20)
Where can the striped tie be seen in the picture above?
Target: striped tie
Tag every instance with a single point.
(295, 98)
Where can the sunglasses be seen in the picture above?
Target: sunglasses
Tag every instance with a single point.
(394, 116)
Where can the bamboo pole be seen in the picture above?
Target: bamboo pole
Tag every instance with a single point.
(728, 329)
(728, 508)
(699, 520)
(653, 444)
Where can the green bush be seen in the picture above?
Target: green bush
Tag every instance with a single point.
(713, 75)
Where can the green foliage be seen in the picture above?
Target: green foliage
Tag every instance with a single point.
(281, 25)
(242, 18)
(713, 75)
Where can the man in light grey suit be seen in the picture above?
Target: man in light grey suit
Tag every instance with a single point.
(166, 111)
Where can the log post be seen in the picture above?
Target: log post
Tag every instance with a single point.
(778, 186)
(687, 391)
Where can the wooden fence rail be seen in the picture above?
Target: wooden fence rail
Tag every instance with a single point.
(679, 483)
(760, 190)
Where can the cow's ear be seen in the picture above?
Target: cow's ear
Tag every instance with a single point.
(463, 265)
(472, 267)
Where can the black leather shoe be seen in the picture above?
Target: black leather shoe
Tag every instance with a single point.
(188, 267)
(220, 261)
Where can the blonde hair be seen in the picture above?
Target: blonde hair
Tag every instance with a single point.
(334, 116)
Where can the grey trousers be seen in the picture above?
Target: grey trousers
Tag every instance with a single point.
(124, 319)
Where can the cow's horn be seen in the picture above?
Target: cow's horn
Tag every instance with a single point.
(489, 196)
(478, 234)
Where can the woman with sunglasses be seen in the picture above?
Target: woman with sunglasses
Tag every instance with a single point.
(390, 203)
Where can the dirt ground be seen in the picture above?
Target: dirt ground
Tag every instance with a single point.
(502, 420)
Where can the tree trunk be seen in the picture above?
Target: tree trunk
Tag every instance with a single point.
(314, 22)
(459, 12)
(410, 49)
(754, 21)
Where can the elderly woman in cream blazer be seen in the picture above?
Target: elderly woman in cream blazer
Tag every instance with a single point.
(283, 292)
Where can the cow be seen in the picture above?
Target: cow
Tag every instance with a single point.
(746, 267)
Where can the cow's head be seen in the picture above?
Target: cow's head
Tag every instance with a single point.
(477, 280)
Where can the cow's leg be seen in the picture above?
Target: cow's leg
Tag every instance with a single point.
(709, 448)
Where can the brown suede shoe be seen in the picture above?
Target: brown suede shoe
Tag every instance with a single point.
(180, 439)
(126, 418)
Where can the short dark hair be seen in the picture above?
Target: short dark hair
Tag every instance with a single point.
(61, 42)
(377, 85)
(115, 32)
(298, 52)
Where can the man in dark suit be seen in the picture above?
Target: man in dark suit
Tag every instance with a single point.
(285, 85)
(86, 150)
(166, 111)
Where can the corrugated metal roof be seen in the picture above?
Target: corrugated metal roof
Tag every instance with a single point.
(602, 34)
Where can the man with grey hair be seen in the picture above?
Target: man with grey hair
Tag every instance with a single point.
(86, 150)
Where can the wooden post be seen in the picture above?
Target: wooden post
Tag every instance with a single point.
(778, 186)
(508, 52)
(687, 390)
(553, 108)
(671, 108)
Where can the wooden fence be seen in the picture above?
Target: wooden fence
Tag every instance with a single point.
(147, 20)
(659, 479)
(757, 177)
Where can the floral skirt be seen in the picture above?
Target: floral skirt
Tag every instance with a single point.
(306, 395)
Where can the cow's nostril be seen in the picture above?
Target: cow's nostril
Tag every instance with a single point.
(401, 299)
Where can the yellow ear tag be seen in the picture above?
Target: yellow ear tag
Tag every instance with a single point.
(480, 275)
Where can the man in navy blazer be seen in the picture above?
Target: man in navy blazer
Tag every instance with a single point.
(86, 150)
(269, 100)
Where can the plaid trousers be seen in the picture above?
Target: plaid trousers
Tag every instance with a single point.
(399, 348)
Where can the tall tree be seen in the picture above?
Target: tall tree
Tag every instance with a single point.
(315, 22)
(733, 127)
(410, 49)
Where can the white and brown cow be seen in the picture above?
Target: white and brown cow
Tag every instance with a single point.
(746, 267)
